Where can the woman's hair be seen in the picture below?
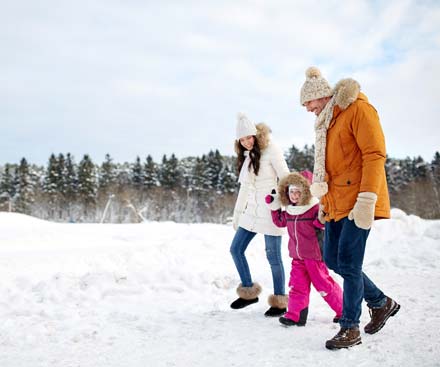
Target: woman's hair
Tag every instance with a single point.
(254, 155)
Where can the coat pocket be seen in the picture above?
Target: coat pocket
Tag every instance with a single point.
(345, 188)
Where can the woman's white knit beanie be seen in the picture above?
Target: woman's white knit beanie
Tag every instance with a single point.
(315, 86)
(244, 126)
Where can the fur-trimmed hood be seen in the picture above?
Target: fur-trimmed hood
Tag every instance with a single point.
(296, 179)
(346, 91)
(263, 135)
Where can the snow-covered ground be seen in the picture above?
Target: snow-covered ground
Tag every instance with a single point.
(158, 294)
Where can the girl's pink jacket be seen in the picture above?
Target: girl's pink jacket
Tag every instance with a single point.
(302, 225)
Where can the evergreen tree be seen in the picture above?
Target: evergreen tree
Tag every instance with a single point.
(61, 177)
(87, 183)
(435, 179)
(137, 174)
(436, 159)
(170, 176)
(228, 178)
(50, 185)
(214, 165)
(50, 181)
(435, 169)
(24, 188)
(150, 178)
(419, 168)
(7, 189)
(7, 181)
(107, 174)
(301, 160)
(71, 179)
(201, 183)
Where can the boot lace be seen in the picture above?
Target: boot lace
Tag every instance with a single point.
(342, 334)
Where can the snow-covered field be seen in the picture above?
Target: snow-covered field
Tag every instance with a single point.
(158, 294)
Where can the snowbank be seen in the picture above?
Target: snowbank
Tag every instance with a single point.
(158, 294)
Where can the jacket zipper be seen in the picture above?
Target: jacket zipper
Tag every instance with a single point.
(297, 242)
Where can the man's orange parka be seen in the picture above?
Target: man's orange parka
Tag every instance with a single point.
(355, 156)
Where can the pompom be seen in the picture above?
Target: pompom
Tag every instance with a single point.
(313, 72)
(241, 116)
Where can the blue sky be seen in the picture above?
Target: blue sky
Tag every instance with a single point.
(133, 78)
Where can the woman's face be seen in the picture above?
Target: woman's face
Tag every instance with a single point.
(247, 142)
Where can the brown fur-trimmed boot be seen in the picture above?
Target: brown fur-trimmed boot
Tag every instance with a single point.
(247, 296)
(278, 305)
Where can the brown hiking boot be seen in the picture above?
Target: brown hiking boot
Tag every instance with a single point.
(345, 338)
(379, 316)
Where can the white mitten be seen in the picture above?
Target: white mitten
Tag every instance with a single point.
(363, 210)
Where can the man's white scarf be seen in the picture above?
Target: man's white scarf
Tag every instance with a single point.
(319, 187)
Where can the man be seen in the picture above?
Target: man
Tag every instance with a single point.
(349, 178)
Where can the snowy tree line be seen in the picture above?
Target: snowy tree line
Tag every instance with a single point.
(192, 189)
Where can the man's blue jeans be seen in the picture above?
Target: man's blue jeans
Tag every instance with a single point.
(344, 249)
(273, 253)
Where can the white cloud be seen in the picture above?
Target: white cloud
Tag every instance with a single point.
(150, 70)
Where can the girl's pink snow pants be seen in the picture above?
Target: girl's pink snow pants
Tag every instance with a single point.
(315, 272)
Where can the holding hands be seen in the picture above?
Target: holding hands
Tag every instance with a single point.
(273, 200)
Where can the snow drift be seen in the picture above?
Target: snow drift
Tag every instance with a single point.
(158, 294)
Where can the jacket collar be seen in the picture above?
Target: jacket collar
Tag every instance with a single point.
(297, 210)
(346, 92)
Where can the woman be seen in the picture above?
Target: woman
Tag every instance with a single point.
(260, 163)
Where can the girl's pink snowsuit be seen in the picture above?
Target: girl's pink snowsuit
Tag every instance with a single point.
(307, 265)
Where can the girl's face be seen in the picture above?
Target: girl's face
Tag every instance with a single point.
(294, 194)
(248, 142)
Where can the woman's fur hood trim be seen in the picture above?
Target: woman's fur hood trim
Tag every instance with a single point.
(346, 92)
(263, 137)
(296, 179)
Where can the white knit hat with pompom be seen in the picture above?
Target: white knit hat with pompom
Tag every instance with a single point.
(244, 126)
(315, 86)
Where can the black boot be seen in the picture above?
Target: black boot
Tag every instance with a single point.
(275, 311)
(301, 322)
(278, 305)
(241, 302)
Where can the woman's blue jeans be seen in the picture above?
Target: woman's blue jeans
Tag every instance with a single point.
(344, 249)
(239, 245)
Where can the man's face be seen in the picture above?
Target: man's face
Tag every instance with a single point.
(316, 105)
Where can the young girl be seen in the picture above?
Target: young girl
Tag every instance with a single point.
(260, 163)
(304, 228)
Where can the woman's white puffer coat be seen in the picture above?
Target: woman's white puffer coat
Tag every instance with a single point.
(251, 211)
